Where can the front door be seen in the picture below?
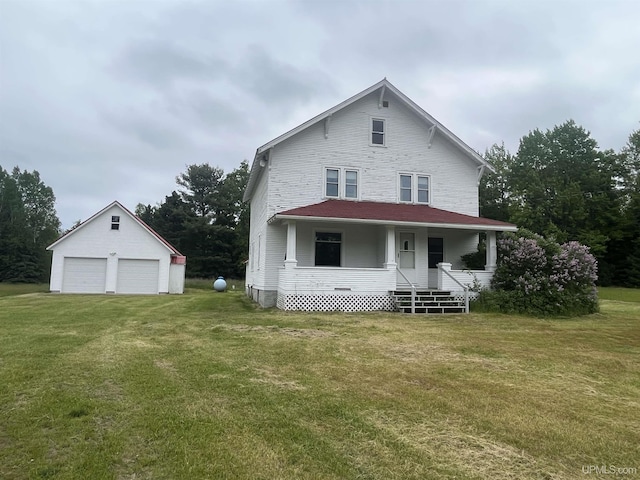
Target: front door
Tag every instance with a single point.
(406, 246)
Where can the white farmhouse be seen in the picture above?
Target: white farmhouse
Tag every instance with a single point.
(114, 251)
(369, 198)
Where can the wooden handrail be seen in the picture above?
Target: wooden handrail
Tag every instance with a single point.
(465, 287)
(413, 290)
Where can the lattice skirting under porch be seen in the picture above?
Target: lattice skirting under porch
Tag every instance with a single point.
(331, 303)
(459, 296)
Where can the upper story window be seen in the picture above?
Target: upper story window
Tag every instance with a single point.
(115, 222)
(333, 182)
(378, 132)
(341, 183)
(351, 184)
(405, 188)
(413, 188)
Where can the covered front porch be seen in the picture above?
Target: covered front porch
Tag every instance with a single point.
(357, 266)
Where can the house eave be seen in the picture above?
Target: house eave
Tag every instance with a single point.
(361, 221)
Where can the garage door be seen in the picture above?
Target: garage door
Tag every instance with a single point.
(138, 276)
(84, 275)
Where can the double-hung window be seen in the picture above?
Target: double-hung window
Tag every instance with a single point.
(406, 182)
(115, 222)
(333, 182)
(413, 188)
(341, 183)
(351, 184)
(378, 131)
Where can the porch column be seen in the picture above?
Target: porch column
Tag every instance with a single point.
(390, 256)
(492, 252)
(291, 244)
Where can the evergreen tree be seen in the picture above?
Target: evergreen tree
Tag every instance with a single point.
(494, 191)
(206, 221)
(28, 224)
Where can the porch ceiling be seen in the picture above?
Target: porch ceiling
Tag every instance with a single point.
(391, 214)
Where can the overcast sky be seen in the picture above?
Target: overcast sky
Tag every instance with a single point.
(110, 100)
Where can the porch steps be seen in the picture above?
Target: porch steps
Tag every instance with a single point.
(428, 301)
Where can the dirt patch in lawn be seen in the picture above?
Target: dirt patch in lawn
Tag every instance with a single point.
(293, 332)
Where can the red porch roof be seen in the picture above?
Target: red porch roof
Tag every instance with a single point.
(392, 213)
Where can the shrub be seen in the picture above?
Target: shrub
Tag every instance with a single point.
(540, 277)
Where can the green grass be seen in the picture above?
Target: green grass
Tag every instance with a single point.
(207, 283)
(619, 294)
(10, 289)
(205, 385)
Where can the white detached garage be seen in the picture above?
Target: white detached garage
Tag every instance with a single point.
(115, 252)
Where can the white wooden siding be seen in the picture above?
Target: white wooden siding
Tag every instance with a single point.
(297, 164)
(336, 280)
(269, 241)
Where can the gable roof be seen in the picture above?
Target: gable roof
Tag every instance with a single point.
(400, 214)
(137, 219)
(382, 84)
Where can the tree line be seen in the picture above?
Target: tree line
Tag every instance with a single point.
(560, 185)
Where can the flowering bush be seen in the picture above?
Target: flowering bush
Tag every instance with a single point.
(540, 277)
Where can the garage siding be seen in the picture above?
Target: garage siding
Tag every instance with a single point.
(84, 275)
(137, 276)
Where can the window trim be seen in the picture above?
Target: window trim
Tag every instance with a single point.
(342, 244)
(372, 131)
(414, 188)
(342, 183)
(115, 222)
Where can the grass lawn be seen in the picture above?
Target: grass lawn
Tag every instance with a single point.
(205, 385)
(619, 294)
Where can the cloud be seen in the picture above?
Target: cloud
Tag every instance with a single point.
(113, 99)
(150, 130)
(159, 63)
(274, 81)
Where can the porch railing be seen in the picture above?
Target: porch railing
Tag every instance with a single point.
(464, 287)
(413, 290)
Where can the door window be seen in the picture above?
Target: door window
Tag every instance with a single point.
(407, 250)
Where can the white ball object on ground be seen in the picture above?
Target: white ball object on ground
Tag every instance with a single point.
(220, 285)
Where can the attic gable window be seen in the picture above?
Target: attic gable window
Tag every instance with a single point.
(115, 222)
(377, 131)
